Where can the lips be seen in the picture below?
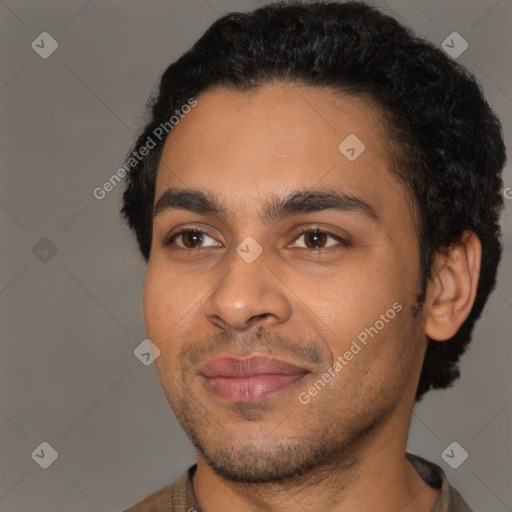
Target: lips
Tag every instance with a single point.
(249, 379)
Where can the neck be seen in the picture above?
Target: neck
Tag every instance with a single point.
(372, 475)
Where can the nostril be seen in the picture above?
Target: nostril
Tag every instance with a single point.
(256, 317)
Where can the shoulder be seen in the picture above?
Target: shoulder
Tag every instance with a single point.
(159, 501)
(448, 500)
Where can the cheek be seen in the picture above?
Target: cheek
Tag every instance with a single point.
(160, 304)
(362, 306)
(355, 295)
(170, 309)
(160, 315)
(150, 302)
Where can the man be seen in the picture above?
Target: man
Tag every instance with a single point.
(319, 212)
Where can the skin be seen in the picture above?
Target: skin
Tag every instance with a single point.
(303, 307)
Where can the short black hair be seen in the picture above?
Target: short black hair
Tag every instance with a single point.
(448, 141)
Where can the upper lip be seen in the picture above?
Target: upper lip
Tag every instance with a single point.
(229, 366)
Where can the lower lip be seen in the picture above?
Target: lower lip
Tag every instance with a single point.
(250, 389)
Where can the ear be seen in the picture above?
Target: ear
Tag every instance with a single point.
(452, 287)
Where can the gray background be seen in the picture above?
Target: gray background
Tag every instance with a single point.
(71, 321)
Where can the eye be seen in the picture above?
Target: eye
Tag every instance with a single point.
(190, 239)
(315, 239)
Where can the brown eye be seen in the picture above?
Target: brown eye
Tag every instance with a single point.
(189, 239)
(317, 239)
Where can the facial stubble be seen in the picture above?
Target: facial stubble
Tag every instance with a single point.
(263, 442)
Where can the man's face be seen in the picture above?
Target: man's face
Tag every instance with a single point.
(307, 298)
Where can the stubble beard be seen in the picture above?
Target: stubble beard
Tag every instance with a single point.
(326, 436)
(319, 446)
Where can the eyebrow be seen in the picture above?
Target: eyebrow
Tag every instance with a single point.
(277, 208)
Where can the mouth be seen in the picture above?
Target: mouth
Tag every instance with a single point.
(249, 379)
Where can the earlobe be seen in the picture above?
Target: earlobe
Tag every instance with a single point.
(452, 288)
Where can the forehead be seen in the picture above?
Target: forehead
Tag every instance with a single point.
(289, 119)
(247, 145)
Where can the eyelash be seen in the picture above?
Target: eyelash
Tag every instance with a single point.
(169, 242)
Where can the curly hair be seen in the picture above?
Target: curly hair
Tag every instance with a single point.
(447, 140)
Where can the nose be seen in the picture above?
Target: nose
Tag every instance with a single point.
(248, 294)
